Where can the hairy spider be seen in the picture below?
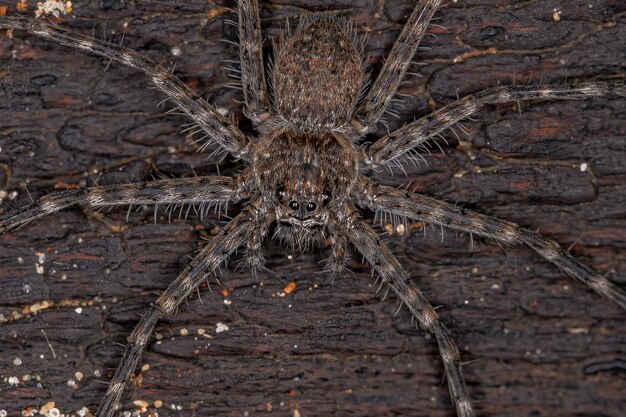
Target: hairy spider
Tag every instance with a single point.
(304, 177)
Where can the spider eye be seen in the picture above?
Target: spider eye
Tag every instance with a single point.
(311, 206)
(294, 205)
(325, 198)
(280, 193)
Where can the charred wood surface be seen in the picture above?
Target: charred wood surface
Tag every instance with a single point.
(73, 285)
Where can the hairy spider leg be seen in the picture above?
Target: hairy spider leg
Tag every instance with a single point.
(234, 235)
(218, 128)
(402, 142)
(423, 208)
(201, 191)
(379, 96)
(369, 244)
(253, 82)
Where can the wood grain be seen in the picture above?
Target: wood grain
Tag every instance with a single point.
(537, 343)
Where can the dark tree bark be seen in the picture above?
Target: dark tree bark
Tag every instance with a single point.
(538, 344)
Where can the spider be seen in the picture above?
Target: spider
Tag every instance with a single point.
(320, 190)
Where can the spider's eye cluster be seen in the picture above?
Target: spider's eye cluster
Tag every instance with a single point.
(309, 206)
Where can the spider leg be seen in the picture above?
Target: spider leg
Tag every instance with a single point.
(255, 259)
(251, 56)
(369, 244)
(396, 65)
(336, 264)
(207, 262)
(423, 208)
(217, 127)
(197, 190)
(411, 136)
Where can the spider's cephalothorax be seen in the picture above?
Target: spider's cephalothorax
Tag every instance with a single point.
(306, 176)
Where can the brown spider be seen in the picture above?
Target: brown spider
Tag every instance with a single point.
(304, 177)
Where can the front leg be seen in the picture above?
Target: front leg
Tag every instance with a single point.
(180, 191)
(369, 244)
(431, 210)
(205, 264)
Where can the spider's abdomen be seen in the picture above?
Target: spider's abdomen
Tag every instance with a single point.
(317, 76)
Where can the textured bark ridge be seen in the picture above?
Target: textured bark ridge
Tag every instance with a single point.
(536, 343)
